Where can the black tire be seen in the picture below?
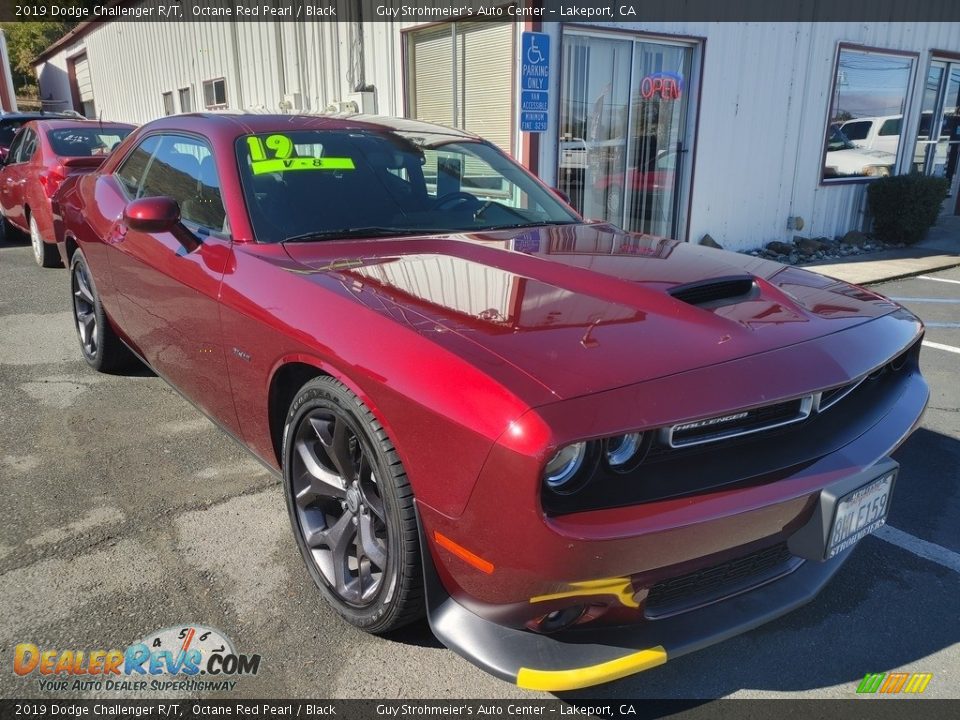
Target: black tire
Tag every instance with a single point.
(103, 350)
(45, 254)
(324, 416)
(10, 233)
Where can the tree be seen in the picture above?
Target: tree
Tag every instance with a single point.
(26, 40)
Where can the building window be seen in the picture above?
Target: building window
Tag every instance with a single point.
(186, 102)
(870, 94)
(215, 93)
(168, 103)
(459, 74)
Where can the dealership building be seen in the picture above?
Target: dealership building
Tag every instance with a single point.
(747, 131)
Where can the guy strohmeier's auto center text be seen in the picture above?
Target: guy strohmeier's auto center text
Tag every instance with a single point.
(294, 9)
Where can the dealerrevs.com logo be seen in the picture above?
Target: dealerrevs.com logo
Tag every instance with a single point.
(190, 658)
(894, 683)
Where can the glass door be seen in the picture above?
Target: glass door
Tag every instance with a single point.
(594, 107)
(623, 128)
(658, 113)
(938, 135)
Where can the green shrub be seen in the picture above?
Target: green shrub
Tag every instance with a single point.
(904, 207)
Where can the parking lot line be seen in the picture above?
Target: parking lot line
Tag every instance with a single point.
(935, 279)
(941, 346)
(942, 324)
(921, 548)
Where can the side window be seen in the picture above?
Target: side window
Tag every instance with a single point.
(14, 152)
(29, 150)
(132, 170)
(890, 127)
(25, 144)
(856, 130)
(183, 168)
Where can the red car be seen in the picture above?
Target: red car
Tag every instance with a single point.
(580, 451)
(650, 189)
(43, 153)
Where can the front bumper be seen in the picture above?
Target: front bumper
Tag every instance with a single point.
(586, 655)
(581, 658)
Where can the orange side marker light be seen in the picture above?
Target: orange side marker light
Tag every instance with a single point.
(461, 552)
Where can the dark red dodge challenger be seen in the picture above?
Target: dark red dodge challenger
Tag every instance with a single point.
(579, 451)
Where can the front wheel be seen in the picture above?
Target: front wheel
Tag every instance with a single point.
(44, 253)
(351, 508)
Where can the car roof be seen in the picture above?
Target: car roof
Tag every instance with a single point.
(33, 116)
(871, 118)
(67, 123)
(245, 123)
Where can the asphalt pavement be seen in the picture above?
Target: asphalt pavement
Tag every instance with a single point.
(126, 511)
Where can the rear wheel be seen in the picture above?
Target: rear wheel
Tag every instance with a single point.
(351, 508)
(44, 253)
(10, 233)
(101, 347)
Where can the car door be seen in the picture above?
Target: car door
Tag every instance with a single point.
(14, 178)
(168, 291)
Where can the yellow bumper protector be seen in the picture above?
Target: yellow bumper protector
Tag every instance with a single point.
(577, 678)
(621, 588)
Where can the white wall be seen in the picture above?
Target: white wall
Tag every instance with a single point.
(133, 64)
(764, 103)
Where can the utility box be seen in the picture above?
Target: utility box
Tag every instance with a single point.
(292, 102)
(366, 101)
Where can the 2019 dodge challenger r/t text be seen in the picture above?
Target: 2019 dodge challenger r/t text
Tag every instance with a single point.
(579, 451)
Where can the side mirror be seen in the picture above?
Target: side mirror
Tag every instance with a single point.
(152, 214)
(159, 215)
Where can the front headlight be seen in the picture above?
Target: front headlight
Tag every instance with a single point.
(561, 472)
(623, 451)
(876, 170)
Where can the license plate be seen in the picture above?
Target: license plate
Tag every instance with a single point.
(859, 513)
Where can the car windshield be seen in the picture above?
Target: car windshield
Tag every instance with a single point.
(85, 142)
(838, 141)
(323, 184)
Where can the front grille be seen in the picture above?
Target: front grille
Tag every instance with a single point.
(828, 398)
(741, 423)
(696, 589)
(758, 446)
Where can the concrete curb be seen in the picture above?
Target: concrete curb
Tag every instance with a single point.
(865, 272)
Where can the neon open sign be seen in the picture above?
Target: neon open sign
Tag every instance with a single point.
(662, 86)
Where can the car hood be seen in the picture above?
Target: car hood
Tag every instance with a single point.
(857, 158)
(586, 308)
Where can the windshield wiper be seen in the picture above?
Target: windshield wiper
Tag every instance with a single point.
(540, 223)
(369, 231)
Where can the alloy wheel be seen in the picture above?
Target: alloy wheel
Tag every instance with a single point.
(36, 241)
(339, 505)
(84, 309)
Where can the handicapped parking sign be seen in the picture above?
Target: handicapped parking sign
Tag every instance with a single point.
(534, 81)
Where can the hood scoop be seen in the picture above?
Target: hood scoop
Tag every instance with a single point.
(716, 292)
